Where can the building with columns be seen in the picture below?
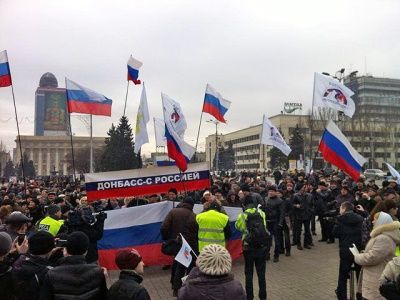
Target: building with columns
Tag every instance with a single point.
(49, 153)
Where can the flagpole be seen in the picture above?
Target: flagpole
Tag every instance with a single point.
(311, 128)
(91, 143)
(126, 97)
(198, 134)
(19, 137)
(70, 135)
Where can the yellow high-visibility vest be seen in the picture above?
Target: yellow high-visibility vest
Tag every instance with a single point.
(50, 225)
(211, 228)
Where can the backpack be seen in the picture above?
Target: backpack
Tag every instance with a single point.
(391, 289)
(257, 234)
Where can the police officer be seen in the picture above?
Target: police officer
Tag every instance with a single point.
(52, 223)
(214, 226)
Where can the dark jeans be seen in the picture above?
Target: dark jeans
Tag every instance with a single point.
(255, 258)
(178, 271)
(285, 238)
(297, 232)
(344, 273)
(276, 233)
(313, 223)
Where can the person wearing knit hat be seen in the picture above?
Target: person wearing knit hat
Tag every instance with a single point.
(130, 262)
(63, 279)
(212, 278)
(6, 281)
(29, 276)
(379, 250)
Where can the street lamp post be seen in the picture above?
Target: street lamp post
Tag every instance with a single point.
(216, 144)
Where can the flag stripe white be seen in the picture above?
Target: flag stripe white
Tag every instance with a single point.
(142, 119)
(329, 92)
(271, 136)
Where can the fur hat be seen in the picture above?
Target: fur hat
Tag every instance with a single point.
(214, 260)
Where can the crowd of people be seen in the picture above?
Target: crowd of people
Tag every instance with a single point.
(49, 233)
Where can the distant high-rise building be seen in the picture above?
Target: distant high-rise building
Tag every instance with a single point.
(377, 99)
(51, 117)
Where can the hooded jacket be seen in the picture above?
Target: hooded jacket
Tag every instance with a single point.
(378, 252)
(348, 230)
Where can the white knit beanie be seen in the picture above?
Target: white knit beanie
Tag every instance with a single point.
(383, 218)
(214, 260)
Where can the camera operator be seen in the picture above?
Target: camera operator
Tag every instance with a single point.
(90, 220)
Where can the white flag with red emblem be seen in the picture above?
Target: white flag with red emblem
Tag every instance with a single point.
(184, 255)
(329, 92)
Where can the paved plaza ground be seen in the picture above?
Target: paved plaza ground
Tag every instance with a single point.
(307, 274)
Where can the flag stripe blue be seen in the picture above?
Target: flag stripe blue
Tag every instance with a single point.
(337, 146)
(4, 69)
(215, 102)
(80, 95)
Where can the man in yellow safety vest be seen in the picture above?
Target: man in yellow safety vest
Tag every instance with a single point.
(214, 226)
(52, 222)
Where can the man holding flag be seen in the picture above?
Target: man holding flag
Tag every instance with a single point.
(181, 222)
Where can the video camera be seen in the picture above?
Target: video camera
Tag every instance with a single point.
(85, 215)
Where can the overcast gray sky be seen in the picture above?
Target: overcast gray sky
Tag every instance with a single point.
(258, 54)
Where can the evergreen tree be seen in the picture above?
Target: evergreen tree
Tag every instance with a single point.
(226, 158)
(9, 169)
(119, 152)
(296, 142)
(278, 159)
(29, 167)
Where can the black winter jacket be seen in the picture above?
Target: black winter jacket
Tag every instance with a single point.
(305, 211)
(348, 230)
(28, 275)
(6, 285)
(275, 210)
(74, 279)
(128, 287)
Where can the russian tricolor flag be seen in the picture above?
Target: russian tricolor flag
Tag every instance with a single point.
(85, 101)
(139, 228)
(215, 104)
(336, 149)
(133, 70)
(5, 74)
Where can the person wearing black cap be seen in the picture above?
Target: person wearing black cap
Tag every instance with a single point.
(16, 224)
(29, 271)
(73, 278)
(181, 220)
(52, 223)
(302, 217)
(323, 200)
(274, 209)
(256, 196)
